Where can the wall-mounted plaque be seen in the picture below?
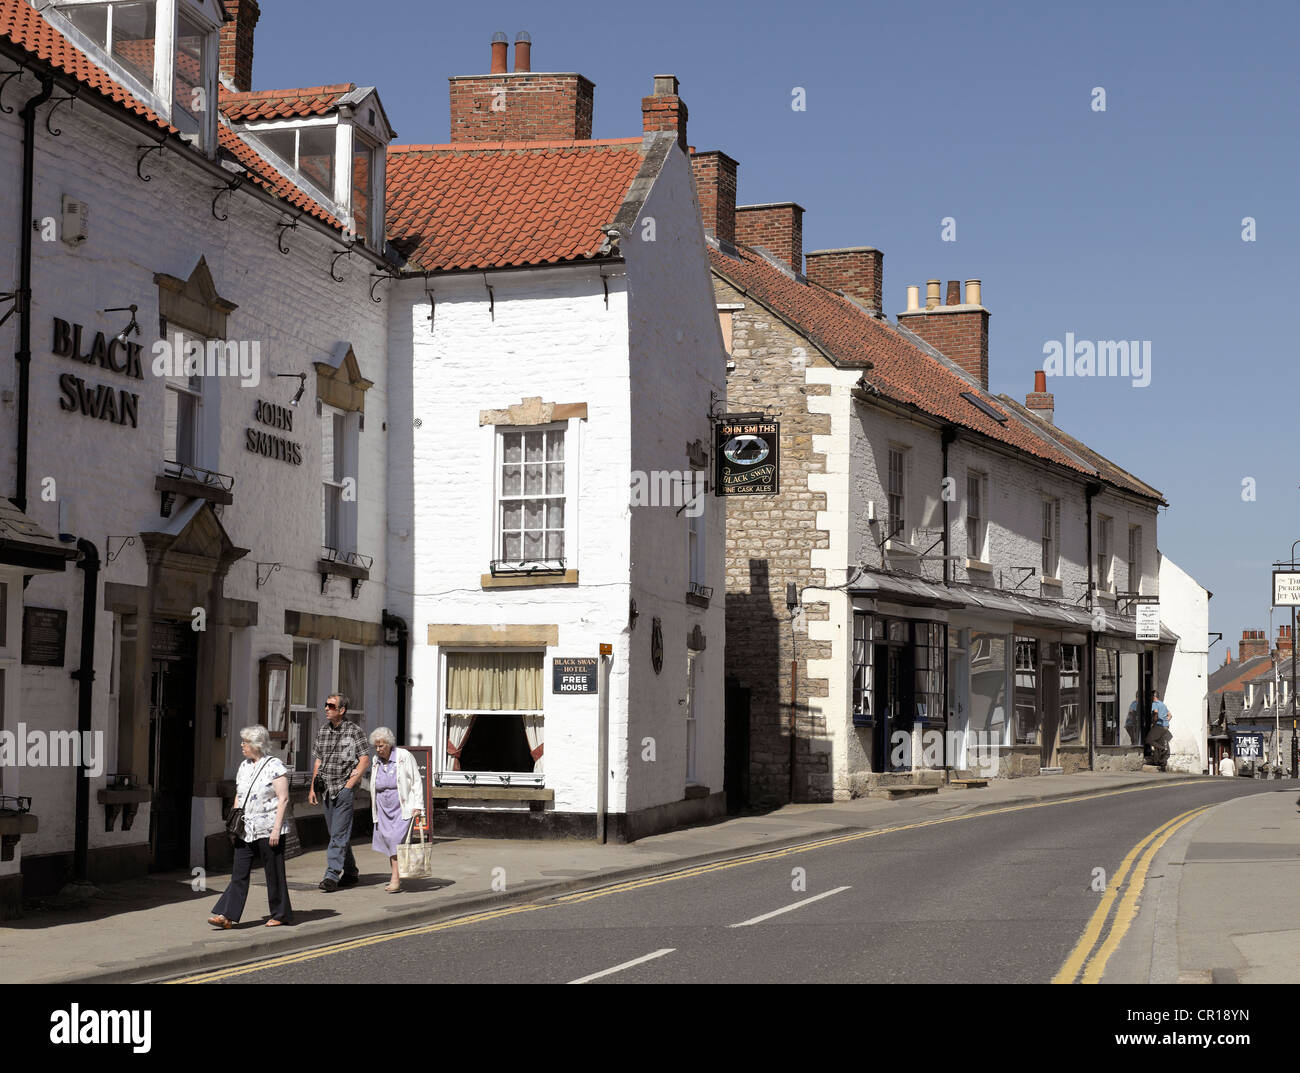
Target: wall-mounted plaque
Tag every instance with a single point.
(45, 632)
(574, 674)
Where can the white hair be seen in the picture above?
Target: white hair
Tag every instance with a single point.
(383, 734)
(256, 736)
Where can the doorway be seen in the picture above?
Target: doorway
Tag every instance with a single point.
(171, 745)
(892, 703)
(1049, 705)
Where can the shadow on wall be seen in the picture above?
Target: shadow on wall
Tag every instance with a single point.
(758, 674)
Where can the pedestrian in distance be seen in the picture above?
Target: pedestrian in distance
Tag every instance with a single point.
(341, 759)
(1226, 766)
(1159, 736)
(396, 798)
(262, 791)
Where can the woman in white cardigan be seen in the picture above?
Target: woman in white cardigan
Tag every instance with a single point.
(396, 798)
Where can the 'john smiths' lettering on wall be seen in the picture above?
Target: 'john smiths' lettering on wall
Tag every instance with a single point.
(95, 400)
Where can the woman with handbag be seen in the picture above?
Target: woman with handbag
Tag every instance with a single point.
(255, 825)
(396, 799)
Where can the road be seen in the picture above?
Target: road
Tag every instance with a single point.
(991, 897)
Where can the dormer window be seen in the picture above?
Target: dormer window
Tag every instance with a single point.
(164, 52)
(363, 188)
(310, 150)
(126, 31)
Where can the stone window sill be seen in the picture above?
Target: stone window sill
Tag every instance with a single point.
(492, 793)
(524, 581)
(979, 564)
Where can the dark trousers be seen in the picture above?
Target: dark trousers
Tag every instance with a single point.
(231, 903)
(339, 862)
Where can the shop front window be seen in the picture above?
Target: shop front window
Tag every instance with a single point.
(1071, 695)
(862, 666)
(1106, 678)
(1026, 696)
(929, 672)
(988, 688)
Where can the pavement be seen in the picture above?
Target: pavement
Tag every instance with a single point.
(154, 927)
(1220, 902)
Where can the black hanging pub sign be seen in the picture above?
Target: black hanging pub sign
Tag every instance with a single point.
(747, 456)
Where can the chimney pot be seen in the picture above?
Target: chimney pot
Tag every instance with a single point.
(973, 292)
(931, 294)
(523, 52)
(665, 85)
(1040, 380)
(954, 293)
(913, 298)
(500, 44)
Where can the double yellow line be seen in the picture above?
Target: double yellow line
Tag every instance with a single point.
(634, 884)
(1087, 961)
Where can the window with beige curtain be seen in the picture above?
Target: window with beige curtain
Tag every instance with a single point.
(506, 689)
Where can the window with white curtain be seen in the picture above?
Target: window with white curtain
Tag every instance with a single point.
(532, 508)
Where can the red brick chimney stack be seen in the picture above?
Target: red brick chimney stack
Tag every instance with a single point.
(960, 331)
(1284, 642)
(858, 271)
(665, 110)
(520, 105)
(777, 227)
(1039, 400)
(235, 49)
(715, 186)
(1253, 643)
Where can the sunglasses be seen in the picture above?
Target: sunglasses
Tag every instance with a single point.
(331, 705)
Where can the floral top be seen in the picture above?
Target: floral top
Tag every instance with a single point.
(260, 803)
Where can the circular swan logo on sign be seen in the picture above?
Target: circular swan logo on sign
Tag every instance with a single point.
(745, 450)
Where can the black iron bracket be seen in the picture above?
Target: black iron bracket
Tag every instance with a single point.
(492, 299)
(11, 296)
(604, 282)
(235, 183)
(1030, 571)
(127, 541)
(429, 295)
(9, 77)
(334, 275)
(377, 276)
(145, 150)
(55, 131)
(282, 227)
(262, 580)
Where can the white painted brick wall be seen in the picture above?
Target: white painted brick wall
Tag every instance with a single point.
(288, 304)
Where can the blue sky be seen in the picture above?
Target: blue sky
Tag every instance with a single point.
(1122, 224)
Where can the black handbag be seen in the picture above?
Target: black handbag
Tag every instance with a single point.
(235, 821)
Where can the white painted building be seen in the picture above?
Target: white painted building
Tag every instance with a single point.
(1184, 667)
(553, 361)
(206, 407)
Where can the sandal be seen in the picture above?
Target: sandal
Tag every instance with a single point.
(393, 889)
(273, 923)
(219, 921)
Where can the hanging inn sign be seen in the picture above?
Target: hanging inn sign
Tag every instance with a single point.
(747, 457)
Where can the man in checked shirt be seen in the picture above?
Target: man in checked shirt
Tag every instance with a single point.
(342, 757)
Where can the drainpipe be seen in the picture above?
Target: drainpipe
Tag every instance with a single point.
(1089, 492)
(23, 295)
(392, 622)
(946, 437)
(85, 678)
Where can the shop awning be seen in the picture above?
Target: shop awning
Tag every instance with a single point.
(906, 589)
(25, 544)
(902, 589)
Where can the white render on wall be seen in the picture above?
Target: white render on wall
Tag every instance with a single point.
(98, 477)
(643, 357)
(1183, 669)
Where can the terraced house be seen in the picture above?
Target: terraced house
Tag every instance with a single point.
(947, 581)
(296, 411)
